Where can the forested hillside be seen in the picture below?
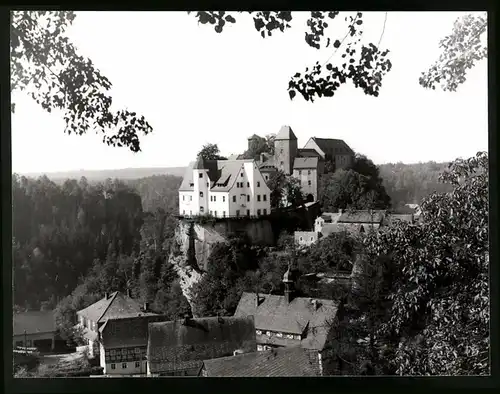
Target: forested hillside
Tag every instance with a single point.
(409, 183)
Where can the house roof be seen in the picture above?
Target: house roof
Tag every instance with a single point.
(33, 322)
(199, 163)
(326, 144)
(130, 331)
(285, 133)
(405, 217)
(308, 152)
(117, 306)
(330, 228)
(175, 346)
(275, 362)
(254, 137)
(298, 317)
(305, 162)
(222, 174)
(362, 216)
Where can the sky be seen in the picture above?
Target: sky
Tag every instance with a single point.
(195, 86)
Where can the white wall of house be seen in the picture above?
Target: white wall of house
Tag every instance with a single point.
(200, 196)
(186, 204)
(218, 203)
(119, 368)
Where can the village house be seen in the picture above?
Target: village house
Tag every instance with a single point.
(112, 306)
(224, 189)
(361, 221)
(123, 344)
(34, 329)
(289, 321)
(286, 362)
(178, 348)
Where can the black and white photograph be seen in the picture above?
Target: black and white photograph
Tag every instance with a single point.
(249, 194)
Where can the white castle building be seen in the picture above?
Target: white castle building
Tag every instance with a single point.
(224, 188)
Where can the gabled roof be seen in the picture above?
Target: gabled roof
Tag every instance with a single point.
(275, 362)
(33, 322)
(117, 306)
(307, 152)
(285, 133)
(305, 163)
(176, 346)
(298, 317)
(130, 331)
(362, 216)
(326, 144)
(222, 174)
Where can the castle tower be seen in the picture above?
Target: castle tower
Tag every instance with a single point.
(201, 186)
(285, 149)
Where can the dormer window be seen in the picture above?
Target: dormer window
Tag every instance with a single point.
(279, 335)
(258, 332)
(200, 175)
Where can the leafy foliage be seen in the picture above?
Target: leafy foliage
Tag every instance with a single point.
(364, 65)
(211, 152)
(439, 298)
(462, 50)
(48, 67)
(285, 190)
(258, 145)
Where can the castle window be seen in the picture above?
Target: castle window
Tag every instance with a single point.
(137, 364)
(248, 212)
(267, 178)
(248, 184)
(201, 194)
(234, 198)
(223, 214)
(248, 198)
(264, 197)
(241, 174)
(215, 198)
(281, 150)
(202, 209)
(258, 184)
(190, 198)
(265, 211)
(308, 172)
(258, 212)
(309, 183)
(124, 365)
(113, 366)
(300, 172)
(223, 198)
(183, 211)
(237, 213)
(301, 239)
(215, 213)
(258, 197)
(183, 197)
(200, 175)
(208, 184)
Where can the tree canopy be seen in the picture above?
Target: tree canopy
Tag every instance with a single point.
(211, 152)
(285, 190)
(48, 67)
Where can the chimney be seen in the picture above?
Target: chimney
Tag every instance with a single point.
(146, 306)
(106, 295)
(288, 282)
